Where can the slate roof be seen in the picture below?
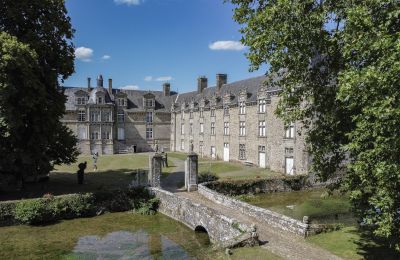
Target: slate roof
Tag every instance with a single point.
(251, 85)
(135, 98)
(164, 103)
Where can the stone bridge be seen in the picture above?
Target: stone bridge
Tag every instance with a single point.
(229, 222)
(222, 230)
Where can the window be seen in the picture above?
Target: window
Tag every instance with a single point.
(226, 128)
(201, 147)
(94, 135)
(149, 133)
(149, 102)
(106, 116)
(106, 135)
(121, 133)
(149, 117)
(201, 128)
(261, 128)
(201, 112)
(212, 128)
(261, 105)
(191, 129)
(182, 145)
(242, 152)
(261, 148)
(212, 111)
(80, 101)
(242, 107)
(121, 117)
(81, 132)
(190, 114)
(182, 115)
(99, 100)
(242, 128)
(226, 111)
(289, 131)
(121, 102)
(95, 116)
(81, 116)
(182, 129)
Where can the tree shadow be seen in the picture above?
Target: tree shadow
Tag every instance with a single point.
(60, 183)
(371, 247)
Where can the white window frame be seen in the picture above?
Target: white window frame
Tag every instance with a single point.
(149, 133)
(261, 128)
(290, 131)
(242, 107)
(242, 128)
(226, 128)
(262, 104)
(212, 128)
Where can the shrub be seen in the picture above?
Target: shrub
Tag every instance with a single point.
(7, 213)
(33, 211)
(207, 177)
(148, 207)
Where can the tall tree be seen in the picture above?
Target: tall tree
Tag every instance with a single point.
(339, 61)
(35, 52)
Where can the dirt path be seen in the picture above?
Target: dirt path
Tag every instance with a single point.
(277, 241)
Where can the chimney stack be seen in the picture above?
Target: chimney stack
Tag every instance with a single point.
(89, 88)
(167, 89)
(221, 80)
(100, 81)
(110, 86)
(201, 84)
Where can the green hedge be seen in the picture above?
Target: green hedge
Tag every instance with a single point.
(240, 187)
(53, 208)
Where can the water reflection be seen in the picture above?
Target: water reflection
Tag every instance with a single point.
(128, 245)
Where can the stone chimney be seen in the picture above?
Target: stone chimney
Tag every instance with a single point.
(221, 80)
(110, 86)
(100, 81)
(201, 84)
(167, 89)
(89, 88)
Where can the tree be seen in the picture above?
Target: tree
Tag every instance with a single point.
(339, 66)
(35, 52)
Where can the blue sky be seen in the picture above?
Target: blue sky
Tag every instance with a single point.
(143, 43)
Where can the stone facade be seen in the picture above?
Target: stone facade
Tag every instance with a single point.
(111, 121)
(236, 122)
(232, 122)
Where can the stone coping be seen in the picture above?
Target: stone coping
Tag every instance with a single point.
(262, 215)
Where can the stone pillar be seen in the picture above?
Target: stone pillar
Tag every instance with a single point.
(191, 169)
(155, 167)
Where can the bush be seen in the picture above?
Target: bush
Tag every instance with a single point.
(207, 177)
(33, 211)
(52, 208)
(149, 207)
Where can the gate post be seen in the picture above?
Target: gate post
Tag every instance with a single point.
(191, 169)
(155, 167)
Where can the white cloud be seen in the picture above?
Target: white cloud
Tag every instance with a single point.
(226, 46)
(83, 54)
(128, 2)
(148, 78)
(130, 87)
(163, 78)
(106, 57)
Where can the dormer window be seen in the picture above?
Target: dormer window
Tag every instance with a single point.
(149, 102)
(261, 105)
(242, 107)
(81, 101)
(99, 100)
(121, 102)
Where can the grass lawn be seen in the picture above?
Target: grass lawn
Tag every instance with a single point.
(114, 171)
(350, 243)
(228, 170)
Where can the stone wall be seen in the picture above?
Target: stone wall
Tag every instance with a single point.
(223, 231)
(266, 216)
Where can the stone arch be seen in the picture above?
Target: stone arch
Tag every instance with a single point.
(200, 228)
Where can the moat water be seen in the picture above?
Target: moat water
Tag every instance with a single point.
(317, 204)
(110, 236)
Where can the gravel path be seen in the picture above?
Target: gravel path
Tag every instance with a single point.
(277, 241)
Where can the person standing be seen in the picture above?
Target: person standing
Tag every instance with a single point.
(81, 172)
(95, 157)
